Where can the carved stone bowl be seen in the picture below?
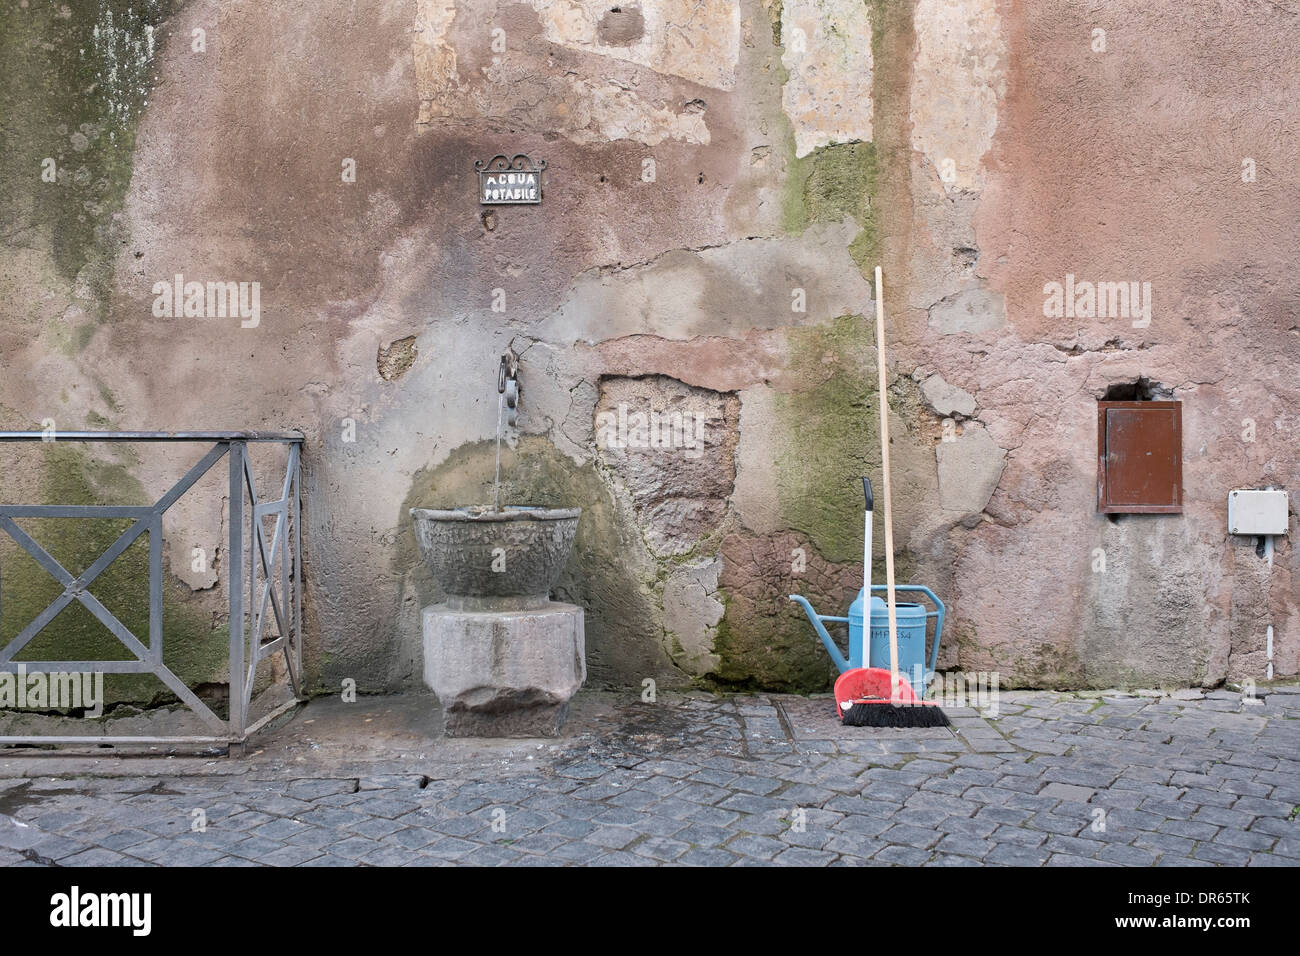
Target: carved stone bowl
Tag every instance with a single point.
(485, 559)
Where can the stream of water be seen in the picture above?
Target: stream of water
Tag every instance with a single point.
(496, 481)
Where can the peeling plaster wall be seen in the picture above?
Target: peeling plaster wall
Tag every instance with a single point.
(722, 177)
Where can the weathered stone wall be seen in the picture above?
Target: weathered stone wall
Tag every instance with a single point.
(723, 176)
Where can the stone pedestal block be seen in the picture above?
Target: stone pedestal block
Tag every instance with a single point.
(504, 673)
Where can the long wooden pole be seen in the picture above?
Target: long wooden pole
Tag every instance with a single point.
(883, 402)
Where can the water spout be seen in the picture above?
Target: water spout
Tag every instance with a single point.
(507, 395)
(496, 482)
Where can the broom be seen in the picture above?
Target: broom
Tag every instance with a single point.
(872, 696)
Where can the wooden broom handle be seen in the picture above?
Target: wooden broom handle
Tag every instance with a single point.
(887, 487)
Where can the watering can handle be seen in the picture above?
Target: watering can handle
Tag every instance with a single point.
(866, 489)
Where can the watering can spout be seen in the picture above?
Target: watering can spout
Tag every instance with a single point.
(817, 622)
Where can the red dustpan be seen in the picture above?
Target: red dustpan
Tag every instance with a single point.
(864, 698)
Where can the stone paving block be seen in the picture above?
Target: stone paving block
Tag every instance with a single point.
(494, 854)
(968, 826)
(858, 846)
(947, 859)
(711, 816)
(663, 849)
(633, 799)
(95, 856)
(1275, 826)
(961, 845)
(612, 837)
(944, 785)
(925, 817)
(1259, 807)
(619, 816)
(803, 856)
(703, 793)
(1191, 829)
(354, 847)
(177, 853)
(1008, 854)
(536, 843)
(706, 857)
(1033, 802)
(1221, 854)
(311, 837)
(123, 839)
(1020, 784)
(655, 825)
(1002, 814)
(1019, 836)
(377, 827)
(888, 792)
(311, 788)
(1126, 855)
(951, 805)
(1224, 818)
(1066, 859)
(983, 762)
(289, 856)
(1075, 846)
(1210, 798)
(750, 803)
(1091, 777)
(760, 785)
(332, 817)
(569, 829)
(866, 824)
(1133, 819)
(612, 858)
(905, 835)
(1169, 809)
(278, 829)
(1245, 839)
(1068, 824)
(717, 778)
(1115, 799)
(901, 855)
(814, 838)
(756, 846)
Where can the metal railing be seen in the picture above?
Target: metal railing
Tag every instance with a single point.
(255, 600)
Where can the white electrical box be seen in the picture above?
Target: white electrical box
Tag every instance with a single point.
(1257, 512)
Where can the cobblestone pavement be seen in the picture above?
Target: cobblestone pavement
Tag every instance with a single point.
(1053, 779)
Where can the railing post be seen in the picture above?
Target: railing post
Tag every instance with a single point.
(235, 583)
(301, 688)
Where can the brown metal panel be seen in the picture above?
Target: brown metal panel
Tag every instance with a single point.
(1139, 457)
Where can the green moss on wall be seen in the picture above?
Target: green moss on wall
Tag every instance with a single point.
(194, 647)
(78, 74)
(833, 434)
(832, 183)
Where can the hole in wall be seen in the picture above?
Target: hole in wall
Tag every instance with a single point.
(1142, 390)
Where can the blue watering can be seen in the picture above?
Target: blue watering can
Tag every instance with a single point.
(912, 620)
(873, 651)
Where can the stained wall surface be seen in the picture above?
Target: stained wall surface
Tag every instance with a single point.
(722, 178)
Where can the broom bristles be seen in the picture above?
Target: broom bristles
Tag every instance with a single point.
(889, 714)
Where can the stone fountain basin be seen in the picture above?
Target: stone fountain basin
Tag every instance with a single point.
(487, 560)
